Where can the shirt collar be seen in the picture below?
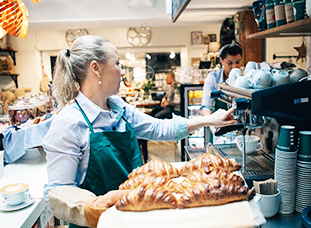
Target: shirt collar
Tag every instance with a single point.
(91, 110)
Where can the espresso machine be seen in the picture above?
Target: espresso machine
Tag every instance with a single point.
(262, 112)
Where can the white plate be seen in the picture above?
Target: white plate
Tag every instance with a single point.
(6, 207)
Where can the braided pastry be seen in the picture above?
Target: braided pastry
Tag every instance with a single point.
(207, 162)
(212, 192)
(149, 178)
(226, 177)
(160, 168)
(147, 197)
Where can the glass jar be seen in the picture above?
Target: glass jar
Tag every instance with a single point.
(289, 11)
(48, 101)
(279, 9)
(40, 105)
(20, 112)
(270, 14)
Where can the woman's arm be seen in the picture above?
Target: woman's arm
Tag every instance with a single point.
(220, 118)
(206, 112)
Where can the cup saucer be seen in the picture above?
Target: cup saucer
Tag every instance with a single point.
(6, 207)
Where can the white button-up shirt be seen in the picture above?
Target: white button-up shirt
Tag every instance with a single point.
(67, 142)
(210, 83)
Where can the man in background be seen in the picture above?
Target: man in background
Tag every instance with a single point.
(167, 103)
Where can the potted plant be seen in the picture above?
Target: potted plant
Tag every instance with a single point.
(146, 86)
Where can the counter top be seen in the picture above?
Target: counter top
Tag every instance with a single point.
(34, 173)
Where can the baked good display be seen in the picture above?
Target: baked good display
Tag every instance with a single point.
(160, 168)
(142, 178)
(226, 177)
(147, 197)
(208, 162)
(212, 192)
(209, 181)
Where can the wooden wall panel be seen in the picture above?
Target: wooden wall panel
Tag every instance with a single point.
(252, 48)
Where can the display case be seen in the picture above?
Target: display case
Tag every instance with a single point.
(190, 104)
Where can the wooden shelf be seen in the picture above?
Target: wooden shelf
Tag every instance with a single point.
(9, 52)
(297, 28)
(13, 76)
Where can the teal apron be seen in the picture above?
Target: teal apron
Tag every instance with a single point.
(113, 155)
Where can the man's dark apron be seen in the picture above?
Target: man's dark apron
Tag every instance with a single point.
(113, 155)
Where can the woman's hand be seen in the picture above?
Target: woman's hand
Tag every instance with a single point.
(222, 118)
(95, 206)
(107, 200)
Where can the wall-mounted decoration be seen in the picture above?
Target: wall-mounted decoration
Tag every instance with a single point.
(212, 37)
(195, 61)
(205, 40)
(73, 34)
(139, 37)
(205, 57)
(196, 38)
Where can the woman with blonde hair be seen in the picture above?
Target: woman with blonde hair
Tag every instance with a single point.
(91, 145)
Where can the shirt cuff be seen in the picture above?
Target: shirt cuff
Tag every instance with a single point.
(181, 127)
(205, 107)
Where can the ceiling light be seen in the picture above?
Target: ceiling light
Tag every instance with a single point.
(148, 56)
(128, 55)
(172, 55)
(133, 57)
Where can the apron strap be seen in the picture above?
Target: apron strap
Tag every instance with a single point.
(86, 119)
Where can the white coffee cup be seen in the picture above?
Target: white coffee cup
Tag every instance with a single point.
(233, 74)
(280, 77)
(241, 82)
(268, 204)
(250, 73)
(252, 143)
(250, 65)
(297, 74)
(14, 194)
(261, 79)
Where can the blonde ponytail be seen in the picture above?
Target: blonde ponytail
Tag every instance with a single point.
(71, 66)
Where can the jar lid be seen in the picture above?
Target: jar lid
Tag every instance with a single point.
(21, 107)
(44, 97)
(34, 100)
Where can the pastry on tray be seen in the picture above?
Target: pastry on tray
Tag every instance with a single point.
(142, 178)
(226, 177)
(208, 162)
(160, 168)
(212, 192)
(147, 197)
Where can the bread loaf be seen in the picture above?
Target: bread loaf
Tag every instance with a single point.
(160, 168)
(147, 197)
(212, 192)
(150, 178)
(208, 162)
(226, 177)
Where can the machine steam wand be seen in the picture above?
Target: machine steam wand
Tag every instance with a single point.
(242, 105)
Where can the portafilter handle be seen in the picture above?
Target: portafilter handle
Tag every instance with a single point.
(216, 93)
(241, 104)
(223, 130)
